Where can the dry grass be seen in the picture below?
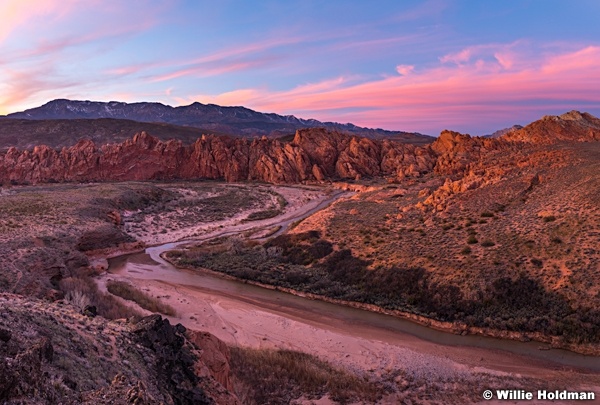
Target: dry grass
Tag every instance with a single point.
(130, 293)
(279, 376)
(81, 290)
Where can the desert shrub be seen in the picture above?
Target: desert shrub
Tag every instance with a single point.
(487, 214)
(303, 248)
(471, 240)
(537, 262)
(500, 208)
(78, 299)
(139, 199)
(130, 293)
(487, 243)
(549, 218)
(343, 266)
(320, 249)
(520, 304)
(266, 214)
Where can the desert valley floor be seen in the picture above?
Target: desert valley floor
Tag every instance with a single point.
(404, 363)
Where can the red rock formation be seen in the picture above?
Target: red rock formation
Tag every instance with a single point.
(213, 359)
(312, 155)
(570, 126)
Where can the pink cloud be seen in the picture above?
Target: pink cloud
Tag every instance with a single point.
(206, 71)
(447, 95)
(505, 55)
(404, 69)
(21, 85)
(17, 12)
(458, 57)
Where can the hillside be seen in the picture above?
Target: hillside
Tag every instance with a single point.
(51, 354)
(25, 134)
(235, 121)
(499, 237)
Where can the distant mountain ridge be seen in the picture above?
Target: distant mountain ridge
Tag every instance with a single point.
(236, 121)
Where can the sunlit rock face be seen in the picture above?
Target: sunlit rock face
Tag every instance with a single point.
(314, 155)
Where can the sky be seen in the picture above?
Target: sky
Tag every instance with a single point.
(424, 66)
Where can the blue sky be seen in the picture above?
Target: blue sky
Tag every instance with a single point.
(470, 66)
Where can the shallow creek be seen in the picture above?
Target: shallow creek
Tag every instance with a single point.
(150, 266)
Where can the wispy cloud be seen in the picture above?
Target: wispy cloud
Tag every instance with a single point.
(44, 49)
(404, 69)
(16, 13)
(20, 85)
(245, 57)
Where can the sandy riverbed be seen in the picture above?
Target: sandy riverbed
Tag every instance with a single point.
(367, 351)
(299, 200)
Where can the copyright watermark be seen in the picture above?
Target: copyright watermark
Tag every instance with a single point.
(540, 395)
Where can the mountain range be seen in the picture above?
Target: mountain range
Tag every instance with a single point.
(209, 118)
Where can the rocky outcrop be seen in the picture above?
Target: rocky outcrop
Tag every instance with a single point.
(173, 359)
(214, 358)
(570, 126)
(50, 353)
(313, 155)
(459, 153)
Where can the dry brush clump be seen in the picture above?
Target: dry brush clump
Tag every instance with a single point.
(130, 293)
(82, 291)
(266, 376)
